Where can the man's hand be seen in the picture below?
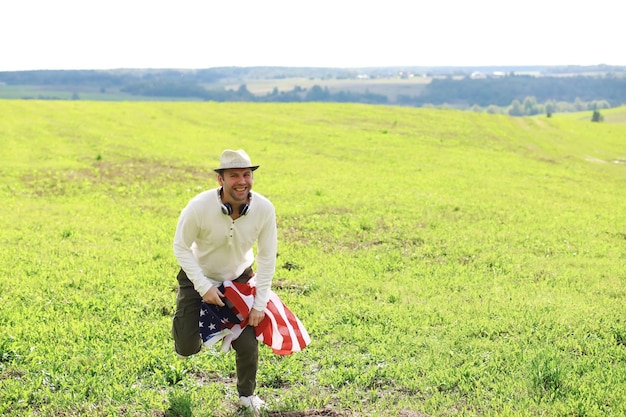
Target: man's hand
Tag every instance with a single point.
(255, 317)
(213, 296)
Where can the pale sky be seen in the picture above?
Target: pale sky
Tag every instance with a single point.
(98, 34)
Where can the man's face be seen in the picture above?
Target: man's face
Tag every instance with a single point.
(237, 184)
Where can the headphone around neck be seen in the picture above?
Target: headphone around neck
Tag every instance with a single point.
(227, 208)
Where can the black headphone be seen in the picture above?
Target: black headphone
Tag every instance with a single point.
(227, 208)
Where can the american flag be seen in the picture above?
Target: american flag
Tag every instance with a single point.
(280, 329)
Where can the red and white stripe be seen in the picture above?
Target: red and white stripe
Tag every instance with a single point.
(281, 330)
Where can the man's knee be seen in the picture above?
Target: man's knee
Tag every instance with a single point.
(187, 341)
(185, 351)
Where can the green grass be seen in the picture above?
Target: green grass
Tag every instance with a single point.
(444, 262)
(615, 115)
(68, 92)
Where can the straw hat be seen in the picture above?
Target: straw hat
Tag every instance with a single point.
(235, 160)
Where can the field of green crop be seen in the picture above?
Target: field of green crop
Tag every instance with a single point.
(70, 92)
(444, 263)
(615, 115)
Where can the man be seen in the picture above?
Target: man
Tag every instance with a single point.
(213, 243)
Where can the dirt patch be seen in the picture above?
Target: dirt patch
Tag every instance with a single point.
(309, 413)
(333, 413)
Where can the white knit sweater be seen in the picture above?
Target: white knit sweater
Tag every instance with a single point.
(212, 248)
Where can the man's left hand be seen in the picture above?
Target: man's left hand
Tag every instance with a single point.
(255, 317)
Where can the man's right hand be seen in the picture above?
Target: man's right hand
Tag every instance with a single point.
(213, 296)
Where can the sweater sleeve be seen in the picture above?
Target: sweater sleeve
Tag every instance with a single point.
(186, 233)
(265, 260)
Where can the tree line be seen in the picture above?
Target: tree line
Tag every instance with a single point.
(297, 94)
(513, 94)
(501, 91)
(493, 96)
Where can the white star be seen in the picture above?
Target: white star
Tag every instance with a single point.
(201, 324)
(202, 313)
(212, 326)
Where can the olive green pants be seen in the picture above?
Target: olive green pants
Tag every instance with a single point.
(187, 340)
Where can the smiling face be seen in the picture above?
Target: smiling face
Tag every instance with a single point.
(237, 184)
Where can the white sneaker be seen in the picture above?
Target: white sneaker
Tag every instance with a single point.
(252, 403)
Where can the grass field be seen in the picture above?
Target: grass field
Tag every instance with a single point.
(615, 115)
(68, 92)
(444, 262)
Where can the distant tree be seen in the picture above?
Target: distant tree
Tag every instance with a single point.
(516, 108)
(550, 108)
(564, 107)
(530, 106)
(597, 117)
(317, 93)
(600, 104)
(244, 94)
(579, 105)
(492, 109)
